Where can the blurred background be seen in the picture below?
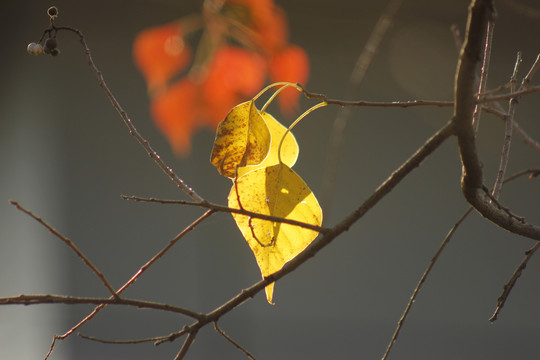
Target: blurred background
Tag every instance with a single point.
(67, 156)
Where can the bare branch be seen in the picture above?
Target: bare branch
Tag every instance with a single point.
(517, 94)
(187, 343)
(59, 299)
(385, 104)
(467, 106)
(435, 258)
(480, 12)
(445, 242)
(127, 121)
(507, 133)
(229, 339)
(528, 255)
(357, 76)
(221, 208)
(526, 138)
(132, 279)
(484, 73)
(120, 342)
(513, 279)
(521, 9)
(534, 68)
(531, 172)
(494, 107)
(69, 243)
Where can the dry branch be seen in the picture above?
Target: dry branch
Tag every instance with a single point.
(473, 188)
(467, 99)
(59, 299)
(71, 245)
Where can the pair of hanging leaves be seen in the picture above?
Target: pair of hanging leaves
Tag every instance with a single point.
(247, 150)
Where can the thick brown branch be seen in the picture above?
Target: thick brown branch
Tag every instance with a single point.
(480, 12)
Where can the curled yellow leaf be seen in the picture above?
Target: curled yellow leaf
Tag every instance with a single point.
(242, 139)
(278, 191)
(289, 148)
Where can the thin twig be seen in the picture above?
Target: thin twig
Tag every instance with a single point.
(526, 138)
(221, 208)
(132, 279)
(513, 279)
(231, 340)
(187, 343)
(529, 90)
(121, 342)
(384, 104)
(534, 68)
(357, 76)
(60, 299)
(127, 121)
(422, 280)
(522, 9)
(435, 258)
(69, 243)
(507, 289)
(532, 172)
(484, 73)
(505, 152)
(495, 108)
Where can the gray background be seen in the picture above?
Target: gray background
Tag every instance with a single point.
(67, 157)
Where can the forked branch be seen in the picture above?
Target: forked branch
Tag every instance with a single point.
(473, 188)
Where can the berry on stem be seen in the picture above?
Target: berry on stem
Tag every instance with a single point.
(34, 48)
(51, 43)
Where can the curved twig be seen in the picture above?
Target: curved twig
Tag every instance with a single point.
(481, 11)
(127, 121)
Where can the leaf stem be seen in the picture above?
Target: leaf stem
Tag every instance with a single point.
(282, 84)
(315, 107)
(277, 92)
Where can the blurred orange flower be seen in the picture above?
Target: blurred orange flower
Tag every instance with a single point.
(243, 42)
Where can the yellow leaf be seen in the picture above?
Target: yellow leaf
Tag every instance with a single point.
(278, 191)
(242, 139)
(289, 149)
